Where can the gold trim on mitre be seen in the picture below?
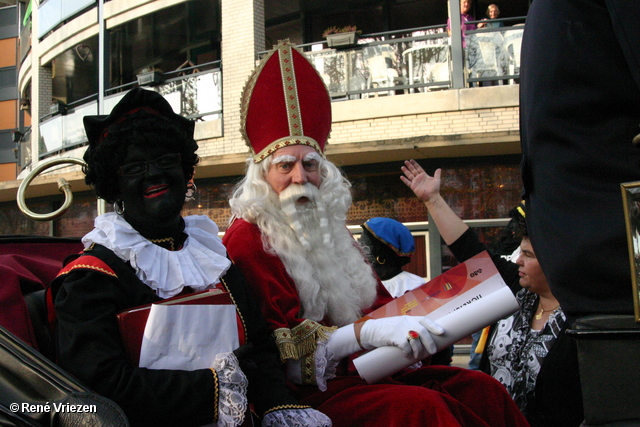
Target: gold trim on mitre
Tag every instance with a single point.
(284, 142)
(292, 101)
(290, 90)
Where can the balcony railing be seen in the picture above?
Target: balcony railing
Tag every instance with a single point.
(65, 131)
(416, 60)
(493, 55)
(196, 96)
(24, 149)
(54, 12)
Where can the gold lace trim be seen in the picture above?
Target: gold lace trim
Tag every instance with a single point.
(244, 324)
(216, 395)
(169, 240)
(90, 267)
(277, 408)
(301, 340)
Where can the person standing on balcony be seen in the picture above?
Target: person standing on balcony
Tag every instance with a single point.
(493, 12)
(465, 17)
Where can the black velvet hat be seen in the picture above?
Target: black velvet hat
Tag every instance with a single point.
(97, 127)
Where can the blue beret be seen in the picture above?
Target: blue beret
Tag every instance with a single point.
(393, 234)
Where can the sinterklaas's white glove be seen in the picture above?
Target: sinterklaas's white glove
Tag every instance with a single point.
(394, 331)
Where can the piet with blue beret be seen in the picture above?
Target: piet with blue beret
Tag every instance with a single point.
(393, 234)
(388, 244)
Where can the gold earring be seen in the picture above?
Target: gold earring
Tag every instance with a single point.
(380, 260)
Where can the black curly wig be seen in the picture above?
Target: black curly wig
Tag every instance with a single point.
(139, 128)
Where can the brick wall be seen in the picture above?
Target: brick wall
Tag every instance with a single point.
(408, 126)
(242, 39)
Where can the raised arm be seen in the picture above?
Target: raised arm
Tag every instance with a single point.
(427, 189)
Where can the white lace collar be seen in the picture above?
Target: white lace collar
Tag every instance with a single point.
(199, 264)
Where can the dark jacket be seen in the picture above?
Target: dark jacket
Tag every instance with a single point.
(87, 301)
(557, 399)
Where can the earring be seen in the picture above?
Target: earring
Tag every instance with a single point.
(380, 260)
(191, 191)
(118, 207)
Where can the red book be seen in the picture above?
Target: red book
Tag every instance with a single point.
(133, 321)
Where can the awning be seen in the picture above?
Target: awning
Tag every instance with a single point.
(27, 14)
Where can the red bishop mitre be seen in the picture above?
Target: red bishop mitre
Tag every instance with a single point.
(285, 102)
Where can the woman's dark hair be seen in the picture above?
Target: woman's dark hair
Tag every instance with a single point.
(142, 128)
(511, 236)
(522, 226)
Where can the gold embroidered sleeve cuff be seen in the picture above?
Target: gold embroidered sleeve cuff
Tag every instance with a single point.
(301, 340)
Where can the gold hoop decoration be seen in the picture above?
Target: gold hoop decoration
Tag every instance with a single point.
(118, 207)
(381, 260)
(63, 186)
(192, 189)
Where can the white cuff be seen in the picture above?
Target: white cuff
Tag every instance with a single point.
(306, 417)
(329, 353)
(232, 389)
(343, 343)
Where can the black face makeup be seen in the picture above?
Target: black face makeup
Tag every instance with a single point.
(152, 187)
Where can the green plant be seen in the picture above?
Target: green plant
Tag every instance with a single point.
(336, 30)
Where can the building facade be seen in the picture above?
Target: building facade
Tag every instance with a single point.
(404, 90)
(9, 106)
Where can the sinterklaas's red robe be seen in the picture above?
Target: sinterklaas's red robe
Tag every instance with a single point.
(429, 396)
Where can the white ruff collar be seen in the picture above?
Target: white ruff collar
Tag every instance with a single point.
(199, 264)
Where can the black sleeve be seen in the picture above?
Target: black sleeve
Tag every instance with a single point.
(91, 349)
(259, 359)
(468, 245)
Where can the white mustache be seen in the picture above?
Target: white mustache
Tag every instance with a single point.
(297, 191)
(288, 201)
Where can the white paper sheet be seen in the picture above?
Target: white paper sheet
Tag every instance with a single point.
(187, 337)
(384, 361)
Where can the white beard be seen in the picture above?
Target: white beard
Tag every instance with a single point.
(307, 219)
(319, 253)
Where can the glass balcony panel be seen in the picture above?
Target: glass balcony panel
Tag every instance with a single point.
(24, 150)
(111, 101)
(25, 42)
(73, 126)
(384, 65)
(332, 67)
(493, 55)
(428, 61)
(70, 8)
(51, 135)
(418, 59)
(195, 96)
(209, 87)
(49, 15)
(53, 12)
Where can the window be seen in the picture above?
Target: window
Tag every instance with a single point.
(165, 41)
